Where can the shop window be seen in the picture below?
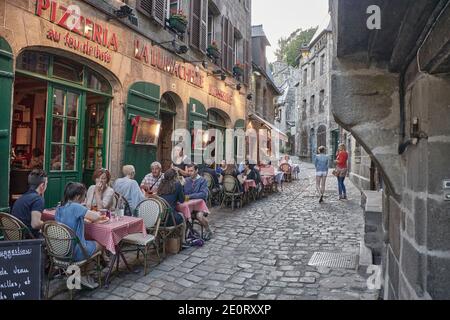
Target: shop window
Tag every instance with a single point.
(216, 118)
(96, 82)
(67, 69)
(34, 62)
(64, 144)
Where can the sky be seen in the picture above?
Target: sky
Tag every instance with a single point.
(282, 17)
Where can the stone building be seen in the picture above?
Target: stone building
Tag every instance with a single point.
(316, 124)
(98, 84)
(264, 94)
(391, 90)
(287, 78)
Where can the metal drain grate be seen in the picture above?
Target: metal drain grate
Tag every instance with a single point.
(334, 260)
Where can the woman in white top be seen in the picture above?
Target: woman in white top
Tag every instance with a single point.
(100, 196)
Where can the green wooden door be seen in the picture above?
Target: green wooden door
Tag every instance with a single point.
(6, 83)
(64, 148)
(143, 100)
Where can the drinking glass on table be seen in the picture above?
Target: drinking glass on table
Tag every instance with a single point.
(186, 198)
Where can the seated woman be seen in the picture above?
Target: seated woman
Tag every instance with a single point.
(250, 173)
(171, 190)
(72, 213)
(100, 196)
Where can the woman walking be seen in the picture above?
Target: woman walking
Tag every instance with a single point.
(341, 171)
(322, 164)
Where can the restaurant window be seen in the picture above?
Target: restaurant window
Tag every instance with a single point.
(64, 143)
(97, 82)
(35, 62)
(67, 69)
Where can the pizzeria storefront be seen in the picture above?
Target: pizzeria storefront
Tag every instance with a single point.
(95, 95)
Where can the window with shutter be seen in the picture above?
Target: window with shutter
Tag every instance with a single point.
(230, 46)
(159, 11)
(155, 9)
(225, 43)
(204, 26)
(196, 10)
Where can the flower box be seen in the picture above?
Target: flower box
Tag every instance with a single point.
(213, 52)
(238, 70)
(178, 23)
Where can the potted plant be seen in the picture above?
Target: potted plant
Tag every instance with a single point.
(213, 50)
(178, 22)
(238, 70)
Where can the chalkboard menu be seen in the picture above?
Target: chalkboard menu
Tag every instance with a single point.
(20, 270)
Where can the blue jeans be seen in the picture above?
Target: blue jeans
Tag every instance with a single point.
(341, 185)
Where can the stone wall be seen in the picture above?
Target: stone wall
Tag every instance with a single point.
(367, 100)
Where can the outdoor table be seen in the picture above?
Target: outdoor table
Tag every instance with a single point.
(195, 205)
(249, 184)
(109, 235)
(267, 180)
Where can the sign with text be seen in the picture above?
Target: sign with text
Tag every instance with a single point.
(20, 270)
(96, 40)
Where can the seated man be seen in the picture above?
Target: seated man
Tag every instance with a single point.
(206, 168)
(151, 182)
(128, 188)
(196, 187)
(30, 206)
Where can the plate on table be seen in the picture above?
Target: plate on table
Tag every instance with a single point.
(103, 220)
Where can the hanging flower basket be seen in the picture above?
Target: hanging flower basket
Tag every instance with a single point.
(178, 22)
(213, 51)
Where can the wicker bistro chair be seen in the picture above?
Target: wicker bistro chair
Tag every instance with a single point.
(60, 245)
(231, 191)
(150, 211)
(287, 169)
(13, 229)
(214, 191)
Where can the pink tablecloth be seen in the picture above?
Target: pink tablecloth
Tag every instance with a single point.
(249, 184)
(108, 234)
(267, 180)
(189, 207)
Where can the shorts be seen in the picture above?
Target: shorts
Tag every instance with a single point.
(321, 173)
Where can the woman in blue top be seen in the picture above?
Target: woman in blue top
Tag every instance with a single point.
(322, 164)
(72, 214)
(171, 190)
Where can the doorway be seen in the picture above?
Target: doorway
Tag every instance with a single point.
(27, 132)
(168, 109)
(60, 112)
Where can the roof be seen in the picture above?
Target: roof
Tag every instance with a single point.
(271, 126)
(323, 28)
(258, 32)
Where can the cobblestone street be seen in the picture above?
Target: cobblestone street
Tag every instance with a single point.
(262, 252)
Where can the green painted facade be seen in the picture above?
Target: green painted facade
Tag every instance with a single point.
(6, 84)
(143, 100)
